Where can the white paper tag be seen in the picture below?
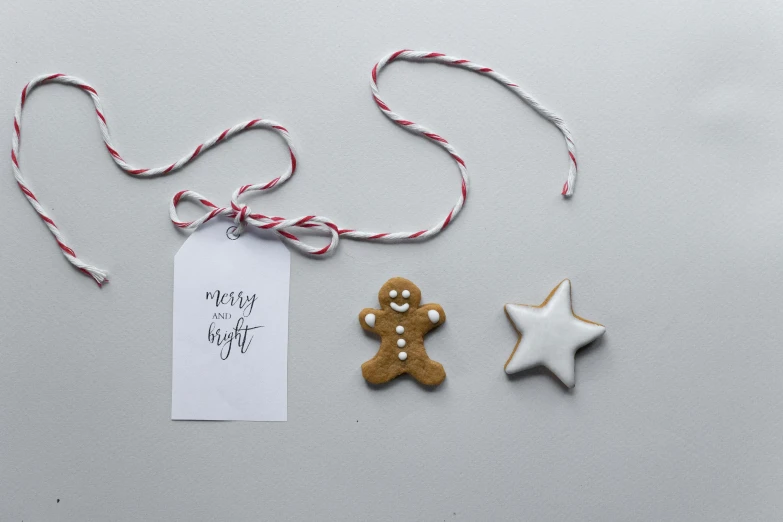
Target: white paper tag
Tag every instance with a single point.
(230, 326)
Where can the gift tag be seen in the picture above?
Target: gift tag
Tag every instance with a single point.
(230, 326)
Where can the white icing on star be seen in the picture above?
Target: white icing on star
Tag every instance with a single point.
(400, 308)
(550, 335)
(433, 315)
(370, 320)
(406, 294)
(400, 329)
(402, 356)
(393, 294)
(401, 343)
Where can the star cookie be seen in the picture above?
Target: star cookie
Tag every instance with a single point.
(550, 334)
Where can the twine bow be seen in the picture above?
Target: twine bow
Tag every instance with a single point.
(243, 216)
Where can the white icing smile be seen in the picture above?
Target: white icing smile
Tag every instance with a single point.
(400, 308)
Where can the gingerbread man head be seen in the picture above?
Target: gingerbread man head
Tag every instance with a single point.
(400, 295)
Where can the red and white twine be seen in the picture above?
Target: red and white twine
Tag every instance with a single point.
(239, 212)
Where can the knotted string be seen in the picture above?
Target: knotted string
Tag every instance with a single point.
(242, 215)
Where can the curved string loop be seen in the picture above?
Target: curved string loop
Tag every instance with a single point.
(101, 276)
(285, 229)
(437, 228)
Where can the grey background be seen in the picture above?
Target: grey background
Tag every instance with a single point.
(672, 240)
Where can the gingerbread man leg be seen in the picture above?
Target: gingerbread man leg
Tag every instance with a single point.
(379, 370)
(427, 371)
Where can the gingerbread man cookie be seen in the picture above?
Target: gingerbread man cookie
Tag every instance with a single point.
(401, 323)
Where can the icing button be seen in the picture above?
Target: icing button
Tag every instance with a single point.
(400, 330)
(401, 343)
(402, 356)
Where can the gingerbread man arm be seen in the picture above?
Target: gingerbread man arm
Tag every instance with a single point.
(369, 318)
(430, 316)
